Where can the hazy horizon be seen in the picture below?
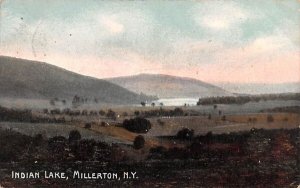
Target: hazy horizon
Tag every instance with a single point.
(212, 41)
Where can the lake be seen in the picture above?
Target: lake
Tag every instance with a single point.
(177, 101)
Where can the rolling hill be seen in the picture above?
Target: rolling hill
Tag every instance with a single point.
(166, 86)
(21, 78)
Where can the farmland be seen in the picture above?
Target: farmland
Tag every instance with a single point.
(223, 142)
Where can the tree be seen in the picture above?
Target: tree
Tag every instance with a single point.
(74, 136)
(64, 102)
(137, 125)
(77, 101)
(46, 111)
(52, 102)
(153, 104)
(139, 142)
(143, 103)
(111, 114)
(178, 112)
(137, 113)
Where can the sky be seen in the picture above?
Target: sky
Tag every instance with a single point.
(210, 40)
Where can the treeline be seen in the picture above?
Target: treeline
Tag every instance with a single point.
(18, 115)
(15, 114)
(67, 111)
(160, 112)
(248, 98)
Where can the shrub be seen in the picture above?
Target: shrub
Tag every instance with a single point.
(137, 125)
(185, 134)
(137, 113)
(74, 136)
(84, 112)
(57, 144)
(139, 142)
(88, 125)
(55, 111)
(66, 111)
(101, 112)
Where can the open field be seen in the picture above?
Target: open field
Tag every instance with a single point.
(237, 118)
(228, 141)
(233, 123)
(51, 130)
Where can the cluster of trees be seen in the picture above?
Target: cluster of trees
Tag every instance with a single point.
(137, 125)
(78, 100)
(160, 112)
(67, 111)
(19, 148)
(279, 144)
(246, 99)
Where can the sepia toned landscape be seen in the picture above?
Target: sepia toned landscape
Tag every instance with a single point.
(204, 100)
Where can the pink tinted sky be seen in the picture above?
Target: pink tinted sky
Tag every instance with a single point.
(213, 41)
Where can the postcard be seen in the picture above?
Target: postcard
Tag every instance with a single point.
(160, 93)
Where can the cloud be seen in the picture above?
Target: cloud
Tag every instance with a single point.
(218, 15)
(111, 24)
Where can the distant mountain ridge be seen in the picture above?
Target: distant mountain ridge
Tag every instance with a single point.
(261, 88)
(21, 78)
(166, 86)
